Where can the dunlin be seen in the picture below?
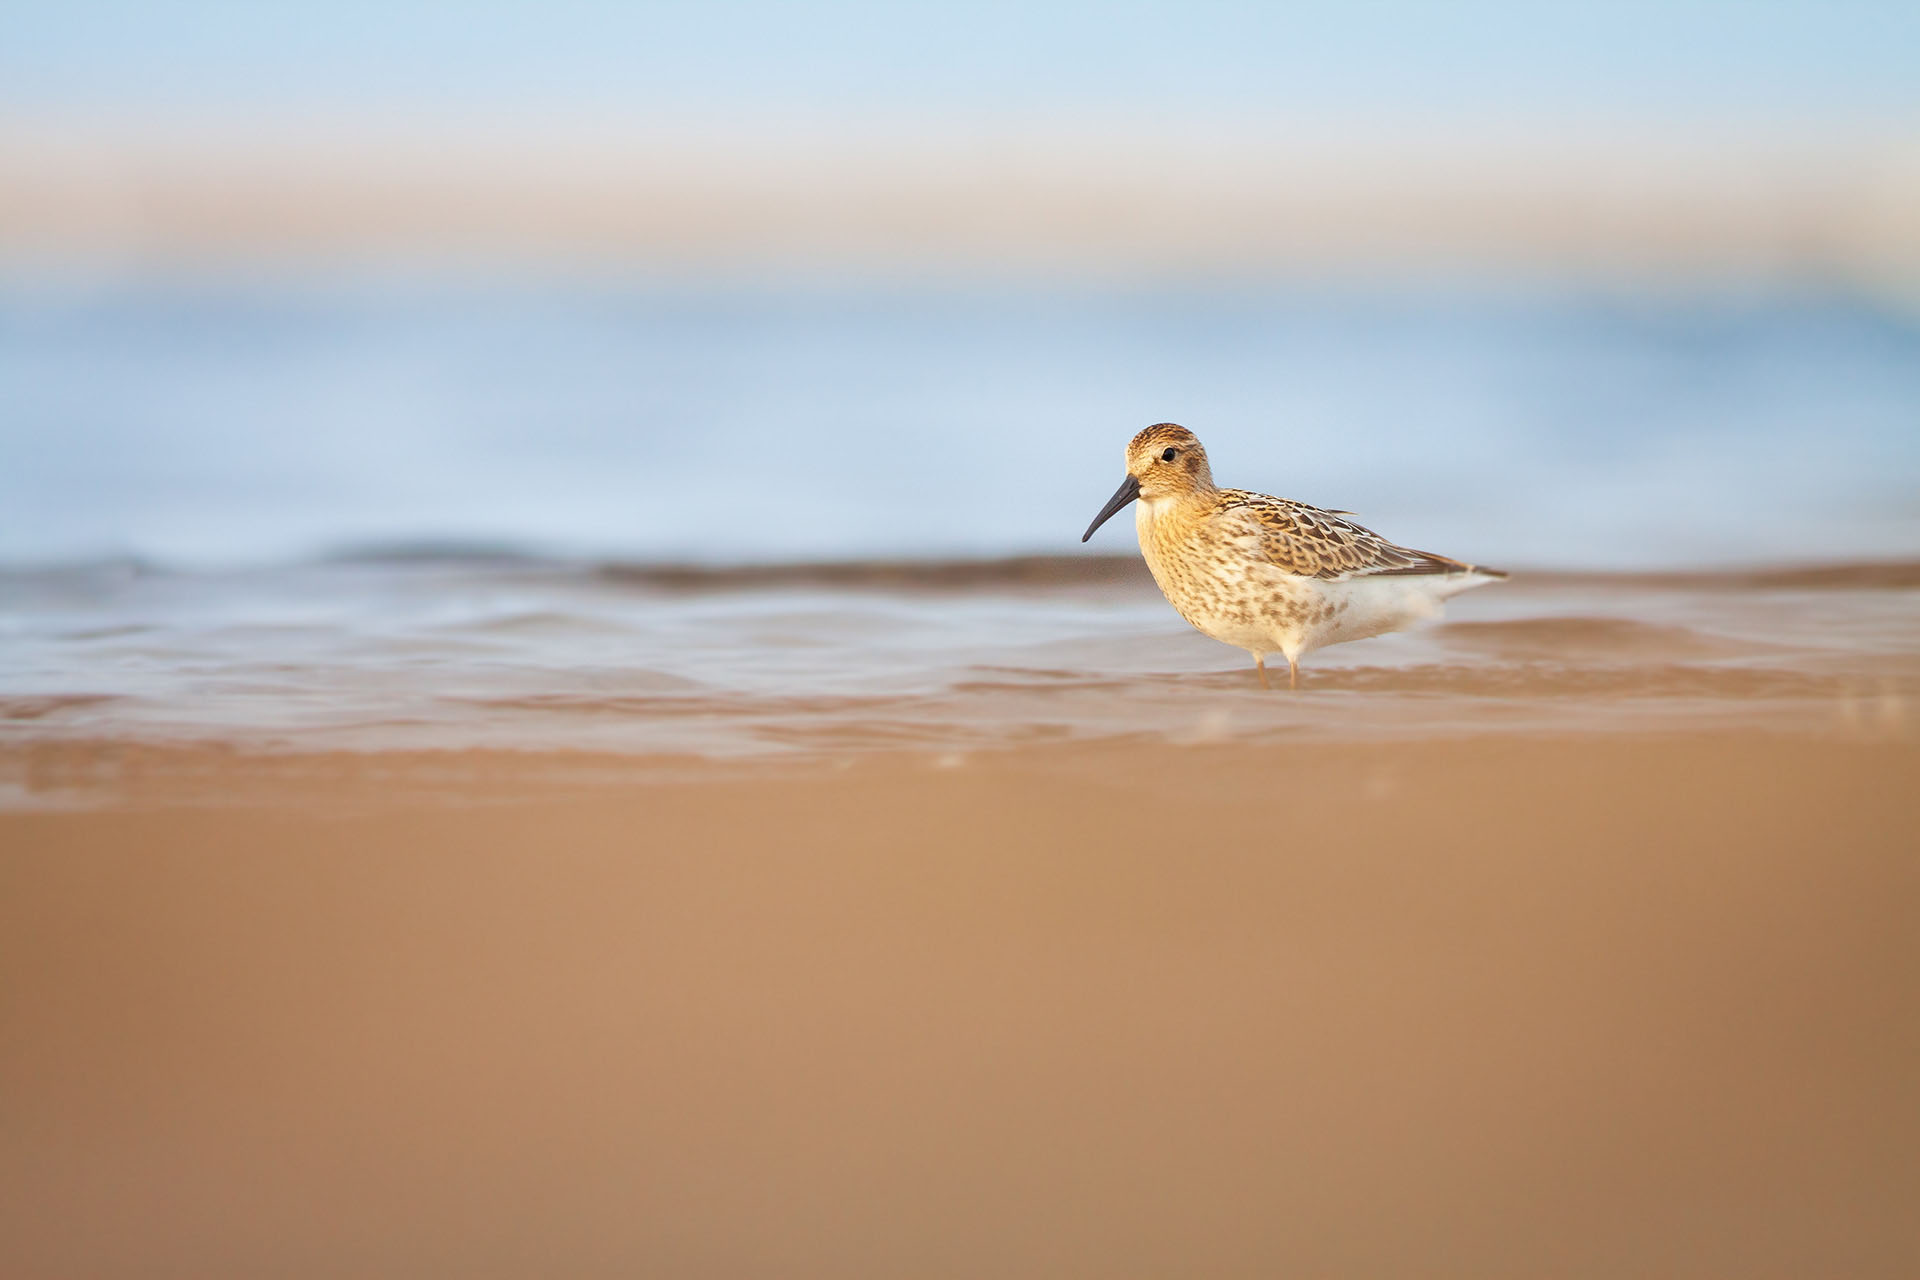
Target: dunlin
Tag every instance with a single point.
(1265, 574)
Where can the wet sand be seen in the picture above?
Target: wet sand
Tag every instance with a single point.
(1519, 1005)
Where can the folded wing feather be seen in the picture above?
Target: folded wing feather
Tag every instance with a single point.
(1312, 543)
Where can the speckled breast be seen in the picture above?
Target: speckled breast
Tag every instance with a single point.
(1229, 597)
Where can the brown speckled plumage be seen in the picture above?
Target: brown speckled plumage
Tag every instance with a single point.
(1268, 574)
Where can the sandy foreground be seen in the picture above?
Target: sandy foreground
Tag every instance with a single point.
(1584, 1006)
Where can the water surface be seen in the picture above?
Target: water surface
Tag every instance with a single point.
(290, 515)
(224, 421)
(455, 653)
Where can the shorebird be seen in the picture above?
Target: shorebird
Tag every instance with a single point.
(1265, 574)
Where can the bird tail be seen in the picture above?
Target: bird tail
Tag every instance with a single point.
(1449, 566)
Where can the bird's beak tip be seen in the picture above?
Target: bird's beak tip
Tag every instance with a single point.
(1129, 490)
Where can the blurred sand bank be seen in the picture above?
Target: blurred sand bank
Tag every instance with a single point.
(1577, 1006)
(1648, 202)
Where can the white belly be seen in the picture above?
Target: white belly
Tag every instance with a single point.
(1263, 611)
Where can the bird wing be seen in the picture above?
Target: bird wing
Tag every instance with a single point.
(1308, 542)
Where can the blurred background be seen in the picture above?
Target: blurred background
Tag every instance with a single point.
(1587, 285)
(454, 819)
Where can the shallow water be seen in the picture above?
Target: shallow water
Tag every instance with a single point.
(941, 659)
(182, 459)
(230, 421)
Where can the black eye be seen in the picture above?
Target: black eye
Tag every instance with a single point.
(1169, 455)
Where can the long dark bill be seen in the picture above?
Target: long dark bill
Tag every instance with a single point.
(1129, 490)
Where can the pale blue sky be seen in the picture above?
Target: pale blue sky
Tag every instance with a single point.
(753, 58)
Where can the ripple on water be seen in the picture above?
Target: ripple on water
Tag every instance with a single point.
(49, 705)
(1588, 638)
(376, 656)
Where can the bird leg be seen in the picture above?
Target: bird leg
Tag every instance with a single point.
(1260, 665)
(1293, 674)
